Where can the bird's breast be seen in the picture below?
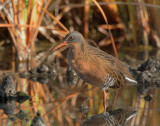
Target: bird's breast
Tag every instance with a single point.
(76, 62)
(89, 71)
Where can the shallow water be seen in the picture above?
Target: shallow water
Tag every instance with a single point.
(70, 104)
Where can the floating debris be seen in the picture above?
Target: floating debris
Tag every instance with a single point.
(150, 65)
(32, 71)
(147, 75)
(41, 74)
(21, 97)
(22, 115)
(8, 107)
(7, 87)
(84, 108)
(8, 91)
(42, 68)
(148, 98)
(38, 120)
(9, 96)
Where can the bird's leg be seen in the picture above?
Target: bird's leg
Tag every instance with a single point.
(105, 94)
(109, 81)
(115, 98)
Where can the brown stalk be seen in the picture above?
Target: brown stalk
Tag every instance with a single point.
(55, 20)
(9, 29)
(17, 35)
(14, 11)
(39, 22)
(144, 29)
(56, 116)
(34, 20)
(78, 5)
(70, 121)
(60, 15)
(21, 38)
(105, 18)
(31, 26)
(20, 14)
(55, 108)
(32, 93)
(86, 18)
(29, 29)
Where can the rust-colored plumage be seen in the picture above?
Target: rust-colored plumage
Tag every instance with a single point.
(94, 65)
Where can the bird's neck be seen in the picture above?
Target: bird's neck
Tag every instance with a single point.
(79, 48)
(77, 51)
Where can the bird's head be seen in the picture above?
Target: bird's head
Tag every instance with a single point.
(72, 38)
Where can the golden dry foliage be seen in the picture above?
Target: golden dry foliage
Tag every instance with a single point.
(138, 21)
(23, 19)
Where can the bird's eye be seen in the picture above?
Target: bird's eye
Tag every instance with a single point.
(71, 37)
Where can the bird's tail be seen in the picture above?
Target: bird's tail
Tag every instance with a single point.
(130, 81)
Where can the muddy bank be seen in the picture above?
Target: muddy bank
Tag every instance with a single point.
(147, 75)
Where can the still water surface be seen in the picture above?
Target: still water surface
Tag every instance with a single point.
(63, 101)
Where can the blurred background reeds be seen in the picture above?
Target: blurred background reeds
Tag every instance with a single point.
(128, 29)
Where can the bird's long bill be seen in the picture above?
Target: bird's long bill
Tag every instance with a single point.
(59, 45)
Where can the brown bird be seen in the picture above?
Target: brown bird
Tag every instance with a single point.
(94, 65)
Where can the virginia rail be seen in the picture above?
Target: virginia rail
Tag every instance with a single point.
(94, 65)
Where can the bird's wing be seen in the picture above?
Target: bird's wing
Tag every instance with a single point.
(113, 67)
